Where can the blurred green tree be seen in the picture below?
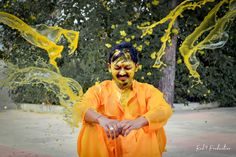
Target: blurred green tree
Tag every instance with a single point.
(103, 24)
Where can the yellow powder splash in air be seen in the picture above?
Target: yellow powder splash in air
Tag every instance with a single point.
(44, 37)
(171, 17)
(66, 90)
(216, 38)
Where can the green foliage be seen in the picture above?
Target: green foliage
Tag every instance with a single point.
(35, 93)
(217, 67)
(100, 24)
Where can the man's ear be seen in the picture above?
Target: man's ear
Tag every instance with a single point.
(136, 67)
(109, 67)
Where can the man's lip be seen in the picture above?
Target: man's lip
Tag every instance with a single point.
(122, 77)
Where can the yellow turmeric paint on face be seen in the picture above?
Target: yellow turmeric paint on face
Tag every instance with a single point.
(123, 72)
(45, 37)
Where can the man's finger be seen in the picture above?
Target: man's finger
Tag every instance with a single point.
(106, 128)
(116, 130)
(123, 123)
(125, 128)
(128, 131)
(113, 130)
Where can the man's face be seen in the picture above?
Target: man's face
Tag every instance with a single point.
(123, 71)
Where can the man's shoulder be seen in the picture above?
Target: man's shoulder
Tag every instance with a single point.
(103, 84)
(140, 86)
(143, 85)
(99, 87)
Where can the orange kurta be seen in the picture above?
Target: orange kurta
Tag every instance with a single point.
(145, 100)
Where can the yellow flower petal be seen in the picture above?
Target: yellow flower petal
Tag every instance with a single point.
(139, 48)
(129, 23)
(155, 2)
(148, 5)
(108, 45)
(127, 39)
(175, 31)
(153, 55)
(118, 41)
(123, 33)
(150, 31)
(113, 26)
(179, 61)
(147, 42)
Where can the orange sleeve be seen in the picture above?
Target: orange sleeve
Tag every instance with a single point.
(158, 110)
(90, 100)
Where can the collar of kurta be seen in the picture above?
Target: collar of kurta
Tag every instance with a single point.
(133, 86)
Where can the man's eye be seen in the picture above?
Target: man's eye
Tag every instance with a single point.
(117, 68)
(128, 68)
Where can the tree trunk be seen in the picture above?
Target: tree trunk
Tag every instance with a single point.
(166, 83)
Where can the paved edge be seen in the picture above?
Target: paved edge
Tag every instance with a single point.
(43, 108)
(7, 151)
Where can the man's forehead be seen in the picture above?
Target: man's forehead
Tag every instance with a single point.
(123, 61)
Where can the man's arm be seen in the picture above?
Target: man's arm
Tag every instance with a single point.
(110, 126)
(91, 116)
(159, 111)
(129, 125)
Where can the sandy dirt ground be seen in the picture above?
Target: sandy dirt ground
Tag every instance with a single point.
(207, 133)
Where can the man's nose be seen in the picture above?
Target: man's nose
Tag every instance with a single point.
(122, 72)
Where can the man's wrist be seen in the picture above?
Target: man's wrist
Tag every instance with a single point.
(100, 118)
(143, 121)
(97, 118)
